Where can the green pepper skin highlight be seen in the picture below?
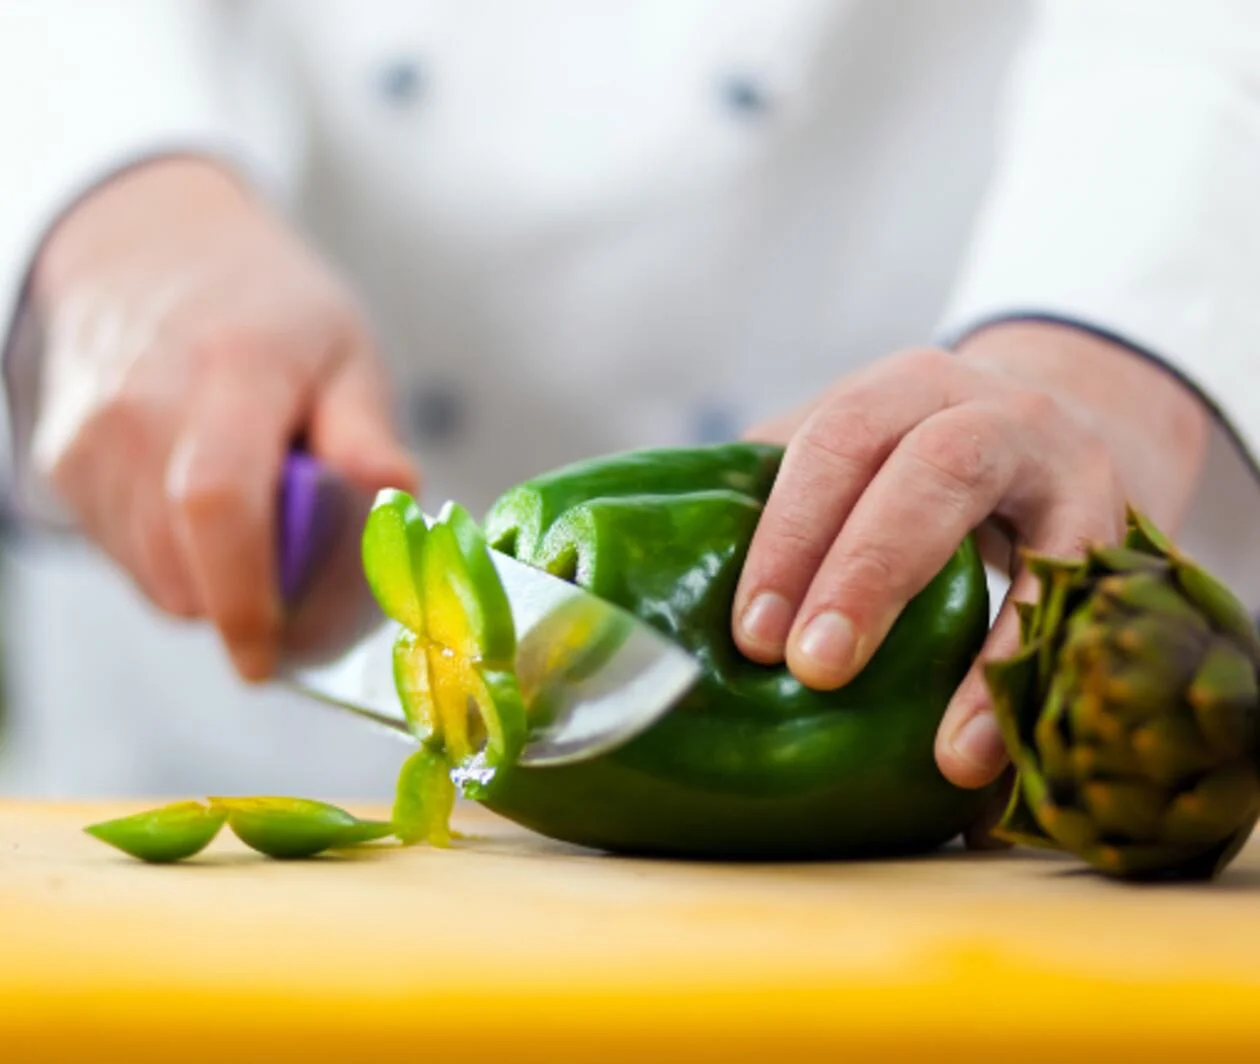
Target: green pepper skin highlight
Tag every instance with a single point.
(751, 764)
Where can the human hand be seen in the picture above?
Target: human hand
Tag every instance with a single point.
(189, 340)
(1035, 435)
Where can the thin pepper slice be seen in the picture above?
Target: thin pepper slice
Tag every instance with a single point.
(363, 832)
(471, 644)
(293, 828)
(414, 687)
(391, 546)
(498, 697)
(424, 799)
(160, 836)
(486, 602)
(454, 660)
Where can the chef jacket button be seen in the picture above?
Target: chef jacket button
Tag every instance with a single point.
(713, 423)
(401, 81)
(438, 414)
(744, 95)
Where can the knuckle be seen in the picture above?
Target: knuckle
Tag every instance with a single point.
(792, 532)
(840, 439)
(125, 419)
(787, 546)
(1098, 458)
(866, 576)
(925, 361)
(200, 495)
(960, 455)
(226, 346)
(1035, 409)
(124, 424)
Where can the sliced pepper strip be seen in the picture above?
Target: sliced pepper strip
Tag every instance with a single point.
(414, 684)
(391, 546)
(161, 836)
(275, 826)
(454, 659)
(488, 601)
(294, 828)
(424, 799)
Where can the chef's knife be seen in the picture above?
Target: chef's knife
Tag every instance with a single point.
(338, 645)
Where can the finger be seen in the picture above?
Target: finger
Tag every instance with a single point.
(995, 539)
(154, 556)
(221, 484)
(825, 469)
(969, 748)
(112, 477)
(351, 427)
(112, 508)
(151, 552)
(943, 479)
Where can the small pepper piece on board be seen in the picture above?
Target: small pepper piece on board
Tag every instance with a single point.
(174, 832)
(295, 828)
(425, 799)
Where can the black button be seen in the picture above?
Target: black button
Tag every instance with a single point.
(401, 81)
(713, 423)
(438, 414)
(744, 95)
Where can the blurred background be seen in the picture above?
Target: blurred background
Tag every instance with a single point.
(576, 227)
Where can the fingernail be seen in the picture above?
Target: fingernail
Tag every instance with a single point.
(253, 664)
(979, 743)
(766, 620)
(828, 644)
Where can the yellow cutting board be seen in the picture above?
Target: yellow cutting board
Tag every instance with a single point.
(512, 948)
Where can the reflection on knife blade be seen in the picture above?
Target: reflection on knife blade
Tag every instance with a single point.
(609, 675)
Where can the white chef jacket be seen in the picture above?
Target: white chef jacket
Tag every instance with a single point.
(587, 225)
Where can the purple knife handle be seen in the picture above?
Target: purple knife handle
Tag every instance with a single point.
(307, 519)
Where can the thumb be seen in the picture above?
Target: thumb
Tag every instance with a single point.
(352, 428)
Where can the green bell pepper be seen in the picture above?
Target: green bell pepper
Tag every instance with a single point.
(751, 764)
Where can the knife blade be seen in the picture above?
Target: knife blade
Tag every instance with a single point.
(338, 646)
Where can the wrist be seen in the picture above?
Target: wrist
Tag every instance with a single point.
(1155, 426)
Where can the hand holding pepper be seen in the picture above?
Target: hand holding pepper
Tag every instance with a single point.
(1035, 434)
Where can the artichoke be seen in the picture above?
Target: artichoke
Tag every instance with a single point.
(1131, 713)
